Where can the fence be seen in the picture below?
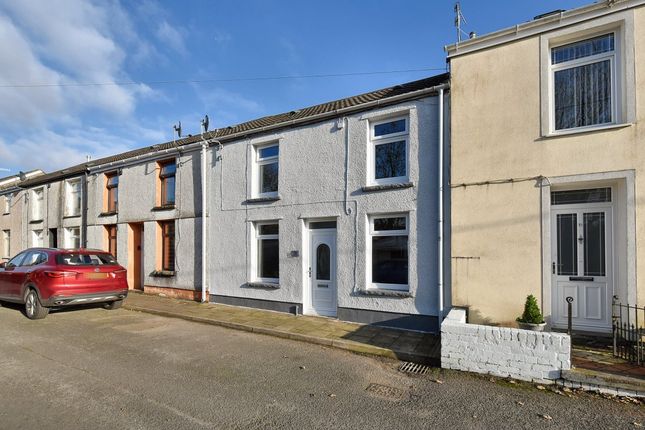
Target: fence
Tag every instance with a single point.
(629, 331)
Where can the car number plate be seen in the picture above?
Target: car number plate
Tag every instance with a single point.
(96, 275)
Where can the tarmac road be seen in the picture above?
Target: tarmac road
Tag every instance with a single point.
(99, 369)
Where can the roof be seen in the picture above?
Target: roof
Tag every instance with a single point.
(541, 24)
(11, 181)
(384, 96)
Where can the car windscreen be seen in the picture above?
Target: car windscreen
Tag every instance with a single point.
(89, 259)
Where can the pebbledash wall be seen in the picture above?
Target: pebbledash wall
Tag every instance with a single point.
(501, 351)
(318, 182)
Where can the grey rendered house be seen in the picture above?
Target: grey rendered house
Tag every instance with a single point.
(330, 210)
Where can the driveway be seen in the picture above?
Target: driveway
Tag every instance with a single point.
(98, 369)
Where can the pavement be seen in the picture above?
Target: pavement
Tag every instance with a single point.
(98, 369)
(424, 348)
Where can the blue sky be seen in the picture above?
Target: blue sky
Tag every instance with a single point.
(71, 42)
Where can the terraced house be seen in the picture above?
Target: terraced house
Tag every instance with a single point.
(330, 210)
(547, 166)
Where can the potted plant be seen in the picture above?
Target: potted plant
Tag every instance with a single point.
(532, 318)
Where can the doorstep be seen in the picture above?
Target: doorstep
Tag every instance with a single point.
(423, 348)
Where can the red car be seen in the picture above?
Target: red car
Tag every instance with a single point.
(44, 278)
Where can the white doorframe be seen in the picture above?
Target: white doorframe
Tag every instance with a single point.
(625, 220)
(316, 237)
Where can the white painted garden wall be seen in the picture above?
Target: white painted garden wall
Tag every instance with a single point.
(501, 351)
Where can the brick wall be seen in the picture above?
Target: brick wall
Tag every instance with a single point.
(501, 351)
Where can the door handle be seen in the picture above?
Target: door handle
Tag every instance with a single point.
(310, 272)
(553, 267)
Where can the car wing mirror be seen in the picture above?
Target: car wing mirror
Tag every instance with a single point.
(3, 264)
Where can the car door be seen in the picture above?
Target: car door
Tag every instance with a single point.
(21, 273)
(8, 275)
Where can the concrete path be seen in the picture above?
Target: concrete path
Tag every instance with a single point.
(363, 339)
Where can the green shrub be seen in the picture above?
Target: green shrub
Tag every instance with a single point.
(532, 314)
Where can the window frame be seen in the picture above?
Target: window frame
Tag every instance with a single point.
(112, 204)
(165, 249)
(37, 215)
(112, 239)
(258, 162)
(8, 199)
(70, 202)
(256, 264)
(163, 178)
(375, 141)
(371, 233)
(616, 80)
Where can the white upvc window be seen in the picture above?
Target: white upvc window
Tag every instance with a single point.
(584, 83)
(37, 239)
(72, 237)
(388, 153)
(387, 252)
(6, 243)
(266, 170)
(73, 197)
(7, 203)
(266, 252)
(37, 196)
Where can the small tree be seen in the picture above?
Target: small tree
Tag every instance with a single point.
(532, 314)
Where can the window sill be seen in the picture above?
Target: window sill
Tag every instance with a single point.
(384, 187)
(105, 214)
(262, 199)
(577, 131)
(163, 274)
(163, 208)
(35, 221)
(71, 216)
(262, 285)
(385, 293)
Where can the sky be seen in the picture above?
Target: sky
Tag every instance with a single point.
(179, 60)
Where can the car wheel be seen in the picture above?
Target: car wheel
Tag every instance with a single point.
(33, 309)
(113, 305)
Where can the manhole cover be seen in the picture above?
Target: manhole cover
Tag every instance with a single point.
(418, 369)
(385, 391)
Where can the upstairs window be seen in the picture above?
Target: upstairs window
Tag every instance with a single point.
(73, 197)
(7, 203)
(584, 83)
(167, 172)
(112, 192)
(388, 252)
(388, 153)
(267, 168)
(37, 204)
(267, 252)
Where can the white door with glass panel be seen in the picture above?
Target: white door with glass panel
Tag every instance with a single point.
(582, 258)
(322, 272)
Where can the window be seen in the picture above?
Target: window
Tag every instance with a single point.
(34, 258)
(37, 204)
(584, 83)
(7, 203)
(37, 238)
(388, 252)
(267, 168)
(167, 171)
(569, 197)
(73, 197)
(267, 252)
(90, 259)
(112, 192)
(167, 245)
(110, 231)
(388, 154)
(6, 243)
(73, 238)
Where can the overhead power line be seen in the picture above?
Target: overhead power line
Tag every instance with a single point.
(216, 80)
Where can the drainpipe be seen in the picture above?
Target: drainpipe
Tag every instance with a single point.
(84, 210)
(440, 205)
(204, 218)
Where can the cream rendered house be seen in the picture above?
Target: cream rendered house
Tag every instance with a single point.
(548, 166)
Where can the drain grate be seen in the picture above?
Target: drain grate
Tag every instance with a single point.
(417, 369)
(385, 391)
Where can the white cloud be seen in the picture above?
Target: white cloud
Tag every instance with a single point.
(172, 37)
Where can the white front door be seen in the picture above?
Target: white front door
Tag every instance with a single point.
(322, 272)
(582, 265)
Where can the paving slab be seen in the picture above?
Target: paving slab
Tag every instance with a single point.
(359, 338)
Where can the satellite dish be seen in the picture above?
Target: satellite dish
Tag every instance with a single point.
(205, 124)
